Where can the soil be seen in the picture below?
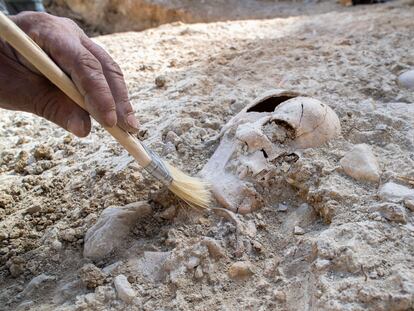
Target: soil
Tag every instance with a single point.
(328, 242)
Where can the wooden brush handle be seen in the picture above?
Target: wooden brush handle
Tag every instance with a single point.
(22, 43)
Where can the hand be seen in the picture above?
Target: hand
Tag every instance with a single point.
(94, 72)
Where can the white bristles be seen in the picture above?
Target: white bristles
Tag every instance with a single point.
(193, 191)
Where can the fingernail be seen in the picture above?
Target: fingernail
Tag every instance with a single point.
(76, 126)
(132, 121)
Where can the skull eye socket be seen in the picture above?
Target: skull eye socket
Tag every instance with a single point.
(270, 104)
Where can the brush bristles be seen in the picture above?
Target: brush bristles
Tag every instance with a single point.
(193, 191)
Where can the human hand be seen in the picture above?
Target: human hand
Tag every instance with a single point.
(96, 75)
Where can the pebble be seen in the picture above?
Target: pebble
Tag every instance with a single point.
(169, 213)
(125, 292)
(160, 81)
(298, 231)
(241, 270)
(33, 209)
(279, 295)
(393, 212)
(43, 152)
(393, 192)
(406, 80)
(282, 207)
(112, 228)
(214, 248)
(91, 276)
(321, 264)
(408, 204)
(198, 273)
(361, 164)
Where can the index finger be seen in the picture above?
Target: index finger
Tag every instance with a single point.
(87, 74)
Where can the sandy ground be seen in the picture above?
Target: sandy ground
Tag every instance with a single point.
(354, 248)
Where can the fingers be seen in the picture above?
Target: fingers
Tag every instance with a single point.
(87, 74)
(53, 105)
(116, 82)
(97, 77)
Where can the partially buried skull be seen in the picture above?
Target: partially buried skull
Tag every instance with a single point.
(259, 141)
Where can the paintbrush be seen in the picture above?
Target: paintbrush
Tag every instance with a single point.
(192, 190)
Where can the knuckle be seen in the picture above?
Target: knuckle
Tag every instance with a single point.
(89, 64)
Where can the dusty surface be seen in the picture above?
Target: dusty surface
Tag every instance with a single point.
(329, 242)
(108, 16)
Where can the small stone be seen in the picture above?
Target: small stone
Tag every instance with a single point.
(282, 207)
(258, 247)
(91, 276)
(56, 245)
(393, 212)
(16, 269)
(3, 235)
(279, 295)
(214, 248)
(16, 266)
(298, 230)
(193, 262)
(408, 204)
(406, 80)
(43, 152)
(111, 229)
(361, 164)
(393, 192)
(198, 274)
(68, 235)
(125, 292)
(321, 264)
(160, 81)
(33, 209)
(241, 270)
(169, 213)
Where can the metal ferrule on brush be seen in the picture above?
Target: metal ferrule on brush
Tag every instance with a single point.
(157, 168)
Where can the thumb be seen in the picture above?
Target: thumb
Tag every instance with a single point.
(53, 105)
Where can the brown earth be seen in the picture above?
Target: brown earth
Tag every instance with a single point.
(329, 242)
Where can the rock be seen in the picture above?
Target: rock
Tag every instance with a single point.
(68, 235)
(110, 268)
(169, 213)
(35, 283)
(198, 274)
(3, 234)
(33, 209)
(214, 248)
(125, 292)
(282, 207)
(240, 270)
(393, 192)
(160, 81)
(298, 230)
(361, 164)
(393, 212)
(406, 80)
(91, 276)
(408, 204)
(279, 295)
(112, 228)
(151, 265)
(43, 152)
(321, 264)
(16, 266)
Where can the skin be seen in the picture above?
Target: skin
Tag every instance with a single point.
(94, 72)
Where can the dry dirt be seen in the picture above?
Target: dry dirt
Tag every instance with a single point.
(328, 243)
